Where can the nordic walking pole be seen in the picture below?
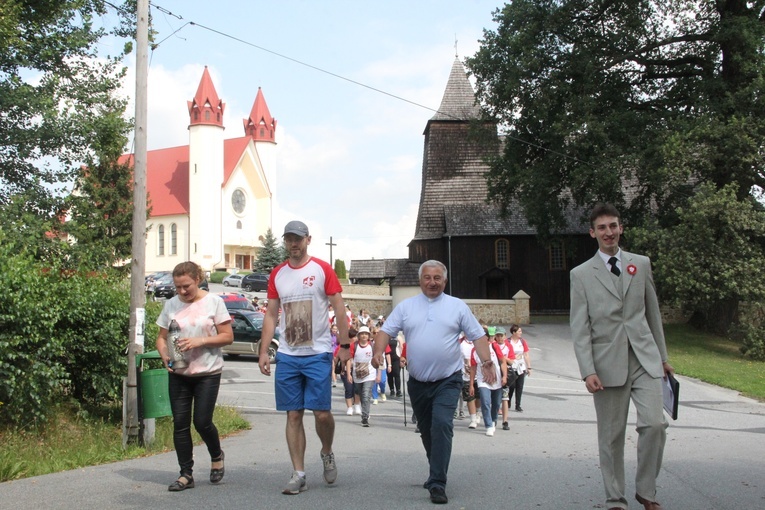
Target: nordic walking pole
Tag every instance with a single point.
(403, 388)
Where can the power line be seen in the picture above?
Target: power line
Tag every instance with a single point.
(344, 78)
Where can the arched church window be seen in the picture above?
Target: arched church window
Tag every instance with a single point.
(239, 225)
(161, 240)
(173, 239)
(207, 115)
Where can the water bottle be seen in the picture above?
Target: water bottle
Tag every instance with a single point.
(176, 356)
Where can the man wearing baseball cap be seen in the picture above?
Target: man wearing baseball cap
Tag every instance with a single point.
(304, 287)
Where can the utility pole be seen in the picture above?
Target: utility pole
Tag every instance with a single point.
(331, 244)
(138, 264)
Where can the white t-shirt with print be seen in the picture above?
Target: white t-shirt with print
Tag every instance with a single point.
(197, 319)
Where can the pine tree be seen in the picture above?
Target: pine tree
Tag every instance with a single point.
(270, 255)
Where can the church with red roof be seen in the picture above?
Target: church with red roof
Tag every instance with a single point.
(210, 200)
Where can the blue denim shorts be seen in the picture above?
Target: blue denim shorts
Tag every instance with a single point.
(303, 382)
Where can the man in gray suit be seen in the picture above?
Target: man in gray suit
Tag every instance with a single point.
(619, 345)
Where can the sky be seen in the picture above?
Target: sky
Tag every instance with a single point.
(349, 158)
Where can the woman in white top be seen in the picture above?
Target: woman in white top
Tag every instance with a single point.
(521, 364)
(205, 327)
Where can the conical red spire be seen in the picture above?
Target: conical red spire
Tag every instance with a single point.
(260, 125)
(206, 107)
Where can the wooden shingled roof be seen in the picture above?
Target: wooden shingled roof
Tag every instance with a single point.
(453, 167)
(486, 220)
(363, 269)
(399, 271)
(459, 101)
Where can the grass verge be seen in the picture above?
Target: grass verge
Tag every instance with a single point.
(714, 359)
(704, 356)
(74, 439)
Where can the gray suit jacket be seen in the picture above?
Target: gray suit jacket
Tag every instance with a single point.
(606, 319)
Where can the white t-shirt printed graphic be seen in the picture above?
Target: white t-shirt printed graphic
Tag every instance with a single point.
(303, 291)
(298, 323)
(363, 370)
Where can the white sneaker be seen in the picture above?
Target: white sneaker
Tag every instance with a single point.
(490, 431)
(473, 424)
(374, 401)
(349, 412)
(383, 397)
(357, 409)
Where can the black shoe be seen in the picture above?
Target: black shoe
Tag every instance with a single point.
(365, 422)
(438, 495)
(416, 429)
(398, 393)
(518, 409)
(182, 483)
(505, 425)
(216, 475)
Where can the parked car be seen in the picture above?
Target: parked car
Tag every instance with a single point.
(233, 280)
(248, 326)
(151, 279)
(235, 301)
(255, 282)
(165, 288)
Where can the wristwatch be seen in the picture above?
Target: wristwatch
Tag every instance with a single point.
(345, 346)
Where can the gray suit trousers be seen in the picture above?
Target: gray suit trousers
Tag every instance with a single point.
(612, 407)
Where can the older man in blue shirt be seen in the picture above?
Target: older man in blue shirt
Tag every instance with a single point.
(432, 323)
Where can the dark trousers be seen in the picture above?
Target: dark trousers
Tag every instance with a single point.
(200, 393)
(347, 385)
(434, 404)
(518, 389)
(394, 377)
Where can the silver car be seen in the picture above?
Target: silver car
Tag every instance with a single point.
(233, 280)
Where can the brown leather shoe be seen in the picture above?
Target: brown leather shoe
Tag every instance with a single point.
(648, 505)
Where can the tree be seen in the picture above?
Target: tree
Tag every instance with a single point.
(626, 102)
(271, 255)
(638, 103)
(693, 262)
(340, 270)
(59, 97)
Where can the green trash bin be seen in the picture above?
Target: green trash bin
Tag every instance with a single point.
(153, 385)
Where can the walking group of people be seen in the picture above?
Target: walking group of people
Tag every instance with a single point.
(616, 328)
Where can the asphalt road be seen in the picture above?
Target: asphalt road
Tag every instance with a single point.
(714, 459)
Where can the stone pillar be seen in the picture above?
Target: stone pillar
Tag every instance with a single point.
(522, 313)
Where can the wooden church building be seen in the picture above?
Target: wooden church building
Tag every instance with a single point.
(487, 256)
(210, 200)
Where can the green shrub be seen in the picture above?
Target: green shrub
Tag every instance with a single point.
(32, 376)
(62, 336)
(217, 276)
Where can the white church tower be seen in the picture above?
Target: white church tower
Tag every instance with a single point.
(205, 175)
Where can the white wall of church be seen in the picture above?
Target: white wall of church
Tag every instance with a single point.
(205, 200)
(164, 250)
(242, 231)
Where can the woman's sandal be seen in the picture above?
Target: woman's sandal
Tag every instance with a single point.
(216, 475)
(179, 485)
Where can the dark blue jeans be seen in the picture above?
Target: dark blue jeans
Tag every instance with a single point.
(434, 404)
(202, 392)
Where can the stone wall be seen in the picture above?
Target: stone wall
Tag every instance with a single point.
(673, 315)
(366, 290)
(375, 305)
(487, 311)
(501, 311)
